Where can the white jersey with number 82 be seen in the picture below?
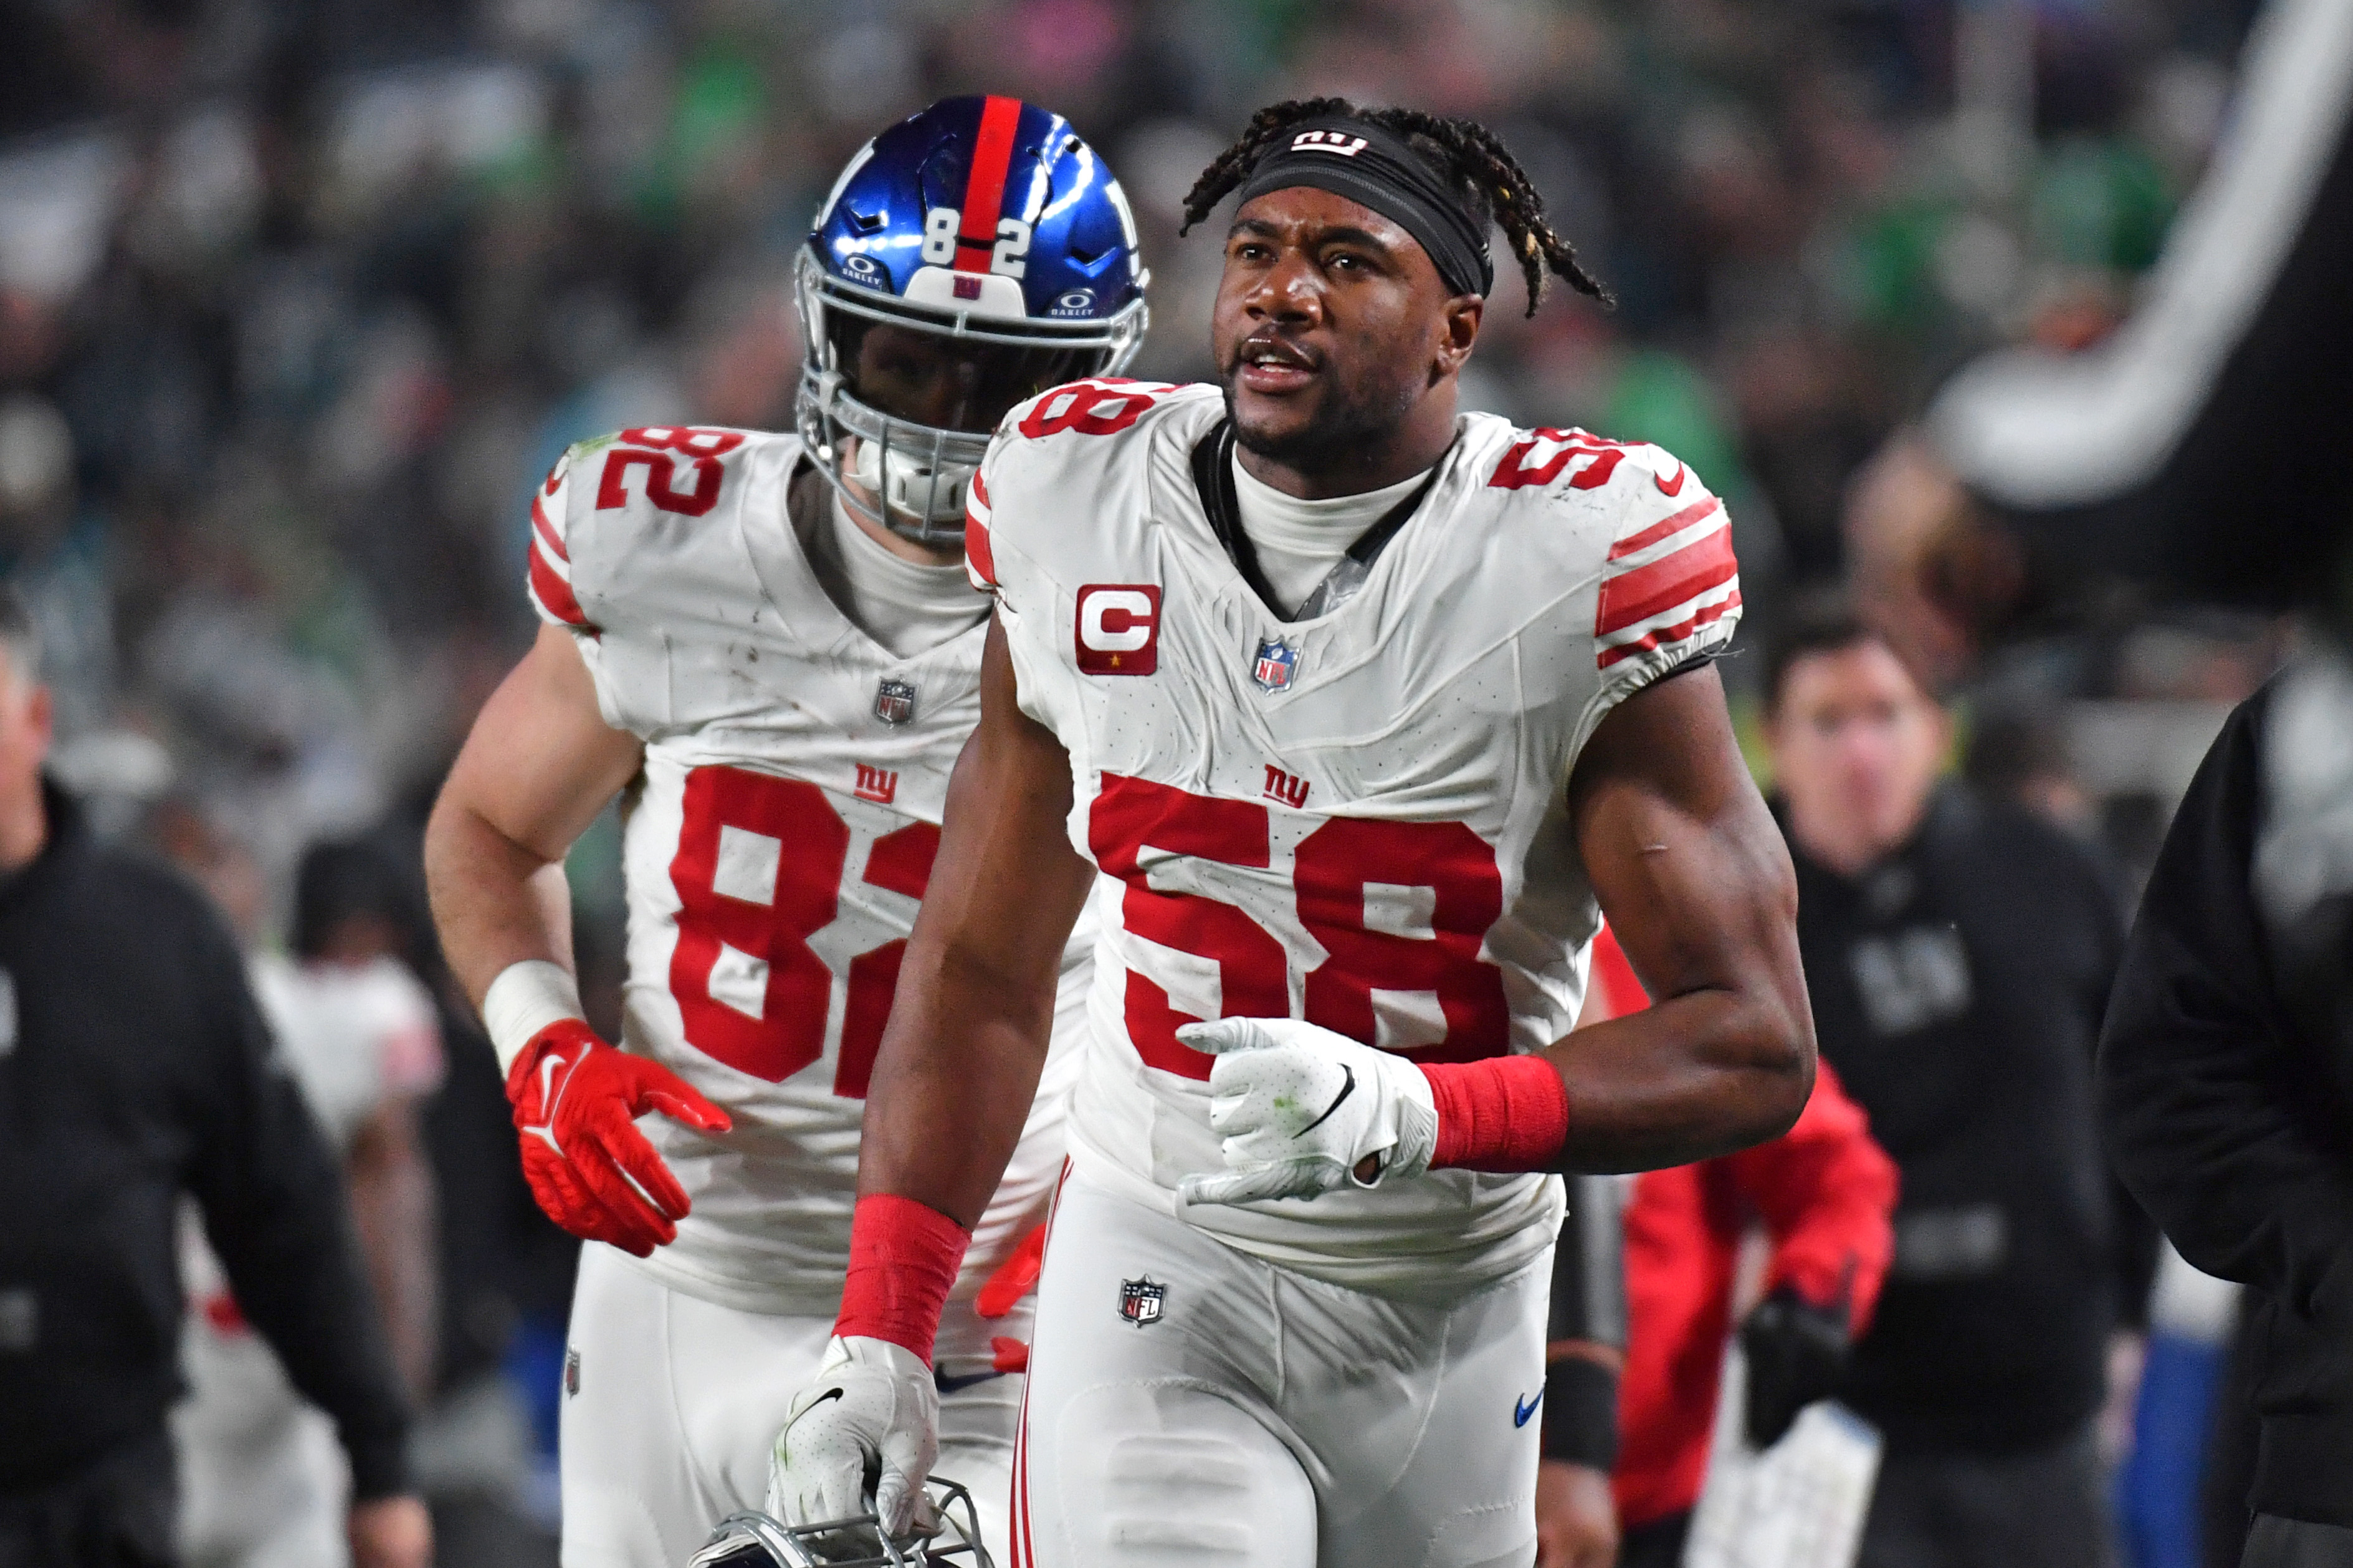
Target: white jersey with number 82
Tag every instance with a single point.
(775, 846)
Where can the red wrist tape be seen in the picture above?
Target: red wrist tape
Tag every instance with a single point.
(903, 1258)
(1504, 1114)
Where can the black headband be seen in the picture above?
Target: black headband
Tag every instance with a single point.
(1372, 164)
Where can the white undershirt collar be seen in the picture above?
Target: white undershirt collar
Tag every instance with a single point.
(1299, 542)
(907, 606)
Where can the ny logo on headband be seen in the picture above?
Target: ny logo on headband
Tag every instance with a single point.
(1339, 141)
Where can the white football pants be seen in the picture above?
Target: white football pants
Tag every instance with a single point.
(671, 1403)
(1246, 1416)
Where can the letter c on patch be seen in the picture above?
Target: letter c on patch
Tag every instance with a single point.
(1118, 630)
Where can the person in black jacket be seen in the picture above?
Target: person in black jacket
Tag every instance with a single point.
(134, 1070)
(2226, 1079)
(1958, 955)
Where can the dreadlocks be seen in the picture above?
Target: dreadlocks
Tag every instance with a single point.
(1489, 181)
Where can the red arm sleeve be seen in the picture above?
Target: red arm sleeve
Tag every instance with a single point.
(1826, 1191)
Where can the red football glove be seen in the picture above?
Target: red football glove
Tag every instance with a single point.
(575, 1102)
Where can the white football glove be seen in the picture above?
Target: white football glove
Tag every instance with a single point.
(872, 1407)
(1300, 1107)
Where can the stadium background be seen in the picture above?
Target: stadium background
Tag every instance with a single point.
(297, 300)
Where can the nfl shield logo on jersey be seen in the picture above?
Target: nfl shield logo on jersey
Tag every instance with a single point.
(894, 702)
(1140, 1300)
(1276, 663)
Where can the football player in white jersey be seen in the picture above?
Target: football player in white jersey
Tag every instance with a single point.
(767, 645)
(1364, 708)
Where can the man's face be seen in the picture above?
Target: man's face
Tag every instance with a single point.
(1856, 746)
(24, 728)
(930, 380)
(1330, 325)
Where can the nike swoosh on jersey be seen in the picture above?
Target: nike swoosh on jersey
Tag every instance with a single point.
(1523, 1408)
(1346, 1089)
(947, 1384)
(1677, 488)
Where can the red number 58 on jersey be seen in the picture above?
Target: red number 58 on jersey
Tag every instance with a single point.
(1399, 908)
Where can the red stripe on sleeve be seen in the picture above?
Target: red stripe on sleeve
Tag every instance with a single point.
(1706, 563)
(546, 532)
(983, 189)
(1709, 615)
(554, 593)
(1662, 528)
(981, 563)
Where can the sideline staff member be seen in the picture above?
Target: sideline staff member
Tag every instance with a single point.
(2226, 1079)
(134, 1068)
(1958, 955)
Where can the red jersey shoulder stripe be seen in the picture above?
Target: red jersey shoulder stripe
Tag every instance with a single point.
(1659, 637)
(1673, 523)
(1672, 579)
(1665, 581)
(554, 594)
(545, 529)
(979, 561)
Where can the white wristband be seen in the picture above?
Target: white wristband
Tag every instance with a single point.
(525, 998)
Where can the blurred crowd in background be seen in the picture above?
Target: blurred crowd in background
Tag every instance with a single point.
(299, 298)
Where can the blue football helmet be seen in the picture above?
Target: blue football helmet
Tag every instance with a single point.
(972, 256)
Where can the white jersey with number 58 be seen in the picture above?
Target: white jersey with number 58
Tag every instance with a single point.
(1359, 818)
(776, 844)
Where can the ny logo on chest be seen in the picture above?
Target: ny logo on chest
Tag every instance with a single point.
(1287, 788)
